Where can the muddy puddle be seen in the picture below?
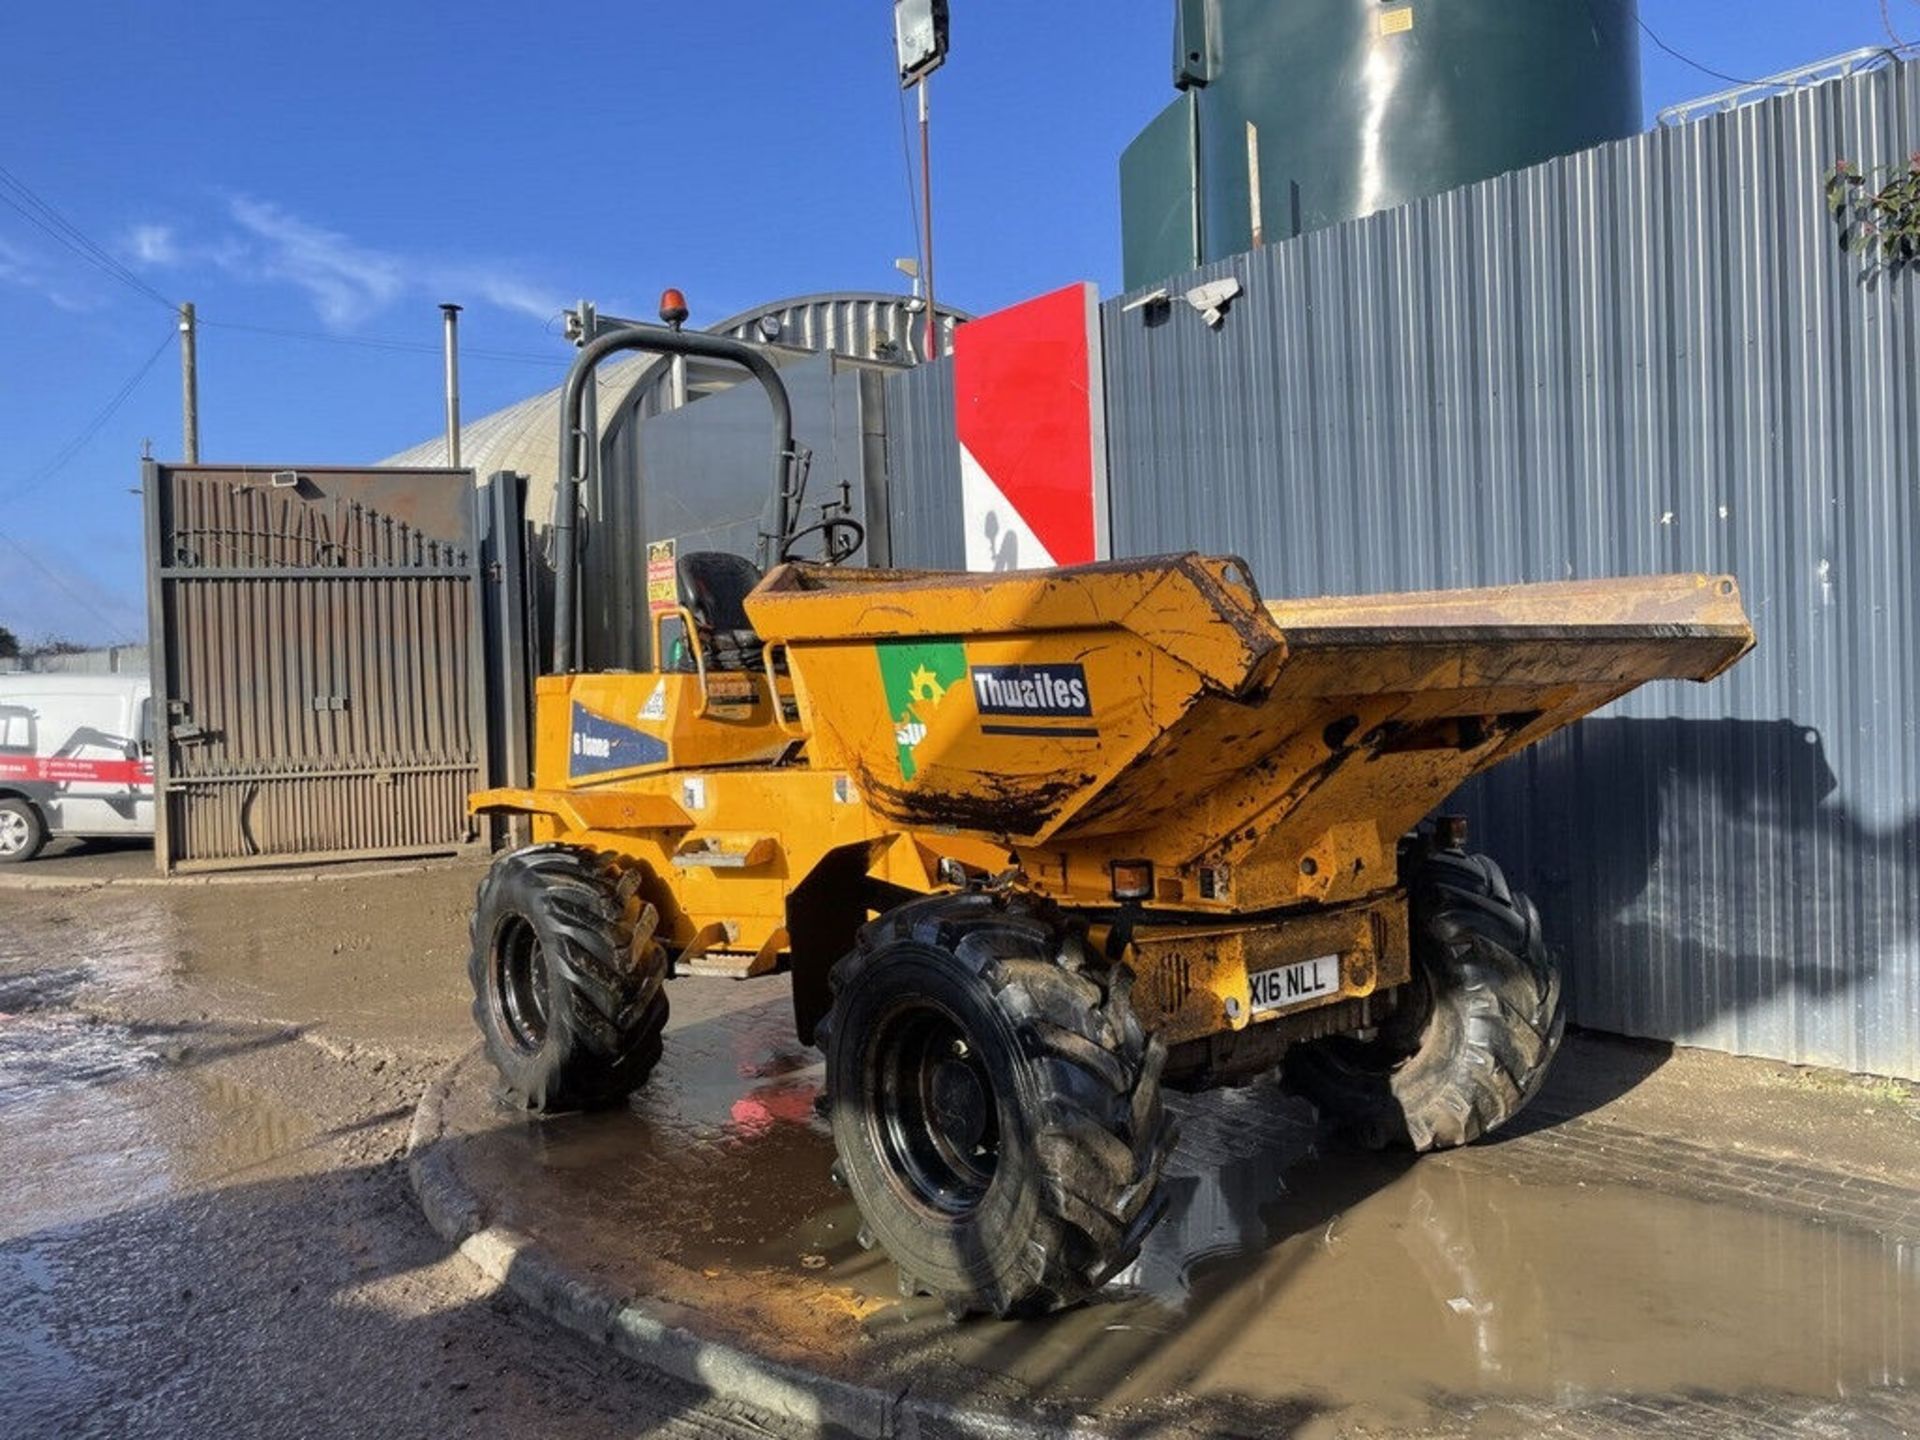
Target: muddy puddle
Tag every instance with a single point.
(102, 1117)
(382, 958)
(1287, 1268)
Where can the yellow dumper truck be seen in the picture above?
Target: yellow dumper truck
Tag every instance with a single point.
(1031, 847)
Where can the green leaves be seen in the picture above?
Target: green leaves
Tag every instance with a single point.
(1877, 213)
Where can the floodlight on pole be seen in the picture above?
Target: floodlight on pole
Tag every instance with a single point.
(920, 43)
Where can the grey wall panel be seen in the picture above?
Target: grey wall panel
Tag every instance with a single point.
(923, 469)
(704, 467)
(699, 475)
(1650, 356)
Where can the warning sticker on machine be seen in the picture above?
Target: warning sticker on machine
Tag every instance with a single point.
(663, 583)
(1396, 19)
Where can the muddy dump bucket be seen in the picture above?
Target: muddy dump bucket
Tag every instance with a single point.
(1163, 699)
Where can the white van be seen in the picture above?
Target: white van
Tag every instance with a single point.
(76, 758)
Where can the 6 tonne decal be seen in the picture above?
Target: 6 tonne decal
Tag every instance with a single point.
(599, 745)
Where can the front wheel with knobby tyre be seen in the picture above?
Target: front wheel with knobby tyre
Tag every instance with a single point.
(996, 1103)
(568, 979)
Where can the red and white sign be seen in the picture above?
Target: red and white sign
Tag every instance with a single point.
(70, 770)
(1029, 408)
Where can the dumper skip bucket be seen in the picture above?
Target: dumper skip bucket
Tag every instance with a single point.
(1163, 700)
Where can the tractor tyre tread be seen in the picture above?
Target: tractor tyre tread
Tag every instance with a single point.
(1494, 1020)
(608, 1005)
(1096, 1131)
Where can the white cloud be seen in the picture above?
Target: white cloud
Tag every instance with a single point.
(154, 245)
(508, 292)
(24, 271)
(346, 282)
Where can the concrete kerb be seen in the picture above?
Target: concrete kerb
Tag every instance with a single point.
(12, 880)
(660, 1335)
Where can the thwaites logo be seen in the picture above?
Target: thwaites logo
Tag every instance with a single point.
(1031, 690)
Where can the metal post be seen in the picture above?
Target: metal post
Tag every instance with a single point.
(189, 387)
(926, 216)
(451, 345)
(1255, 225)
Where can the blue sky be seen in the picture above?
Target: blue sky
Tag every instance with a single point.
(337, 170)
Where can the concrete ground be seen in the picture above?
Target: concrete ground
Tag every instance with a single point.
(205, 1226)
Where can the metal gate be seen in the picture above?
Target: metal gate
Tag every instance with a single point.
(318, 669)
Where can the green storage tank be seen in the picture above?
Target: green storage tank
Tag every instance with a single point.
(1345, 107)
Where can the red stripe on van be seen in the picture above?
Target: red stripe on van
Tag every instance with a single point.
(67, 770)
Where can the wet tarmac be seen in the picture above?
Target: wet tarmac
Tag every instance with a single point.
(1292, 1276)
(204, 1227)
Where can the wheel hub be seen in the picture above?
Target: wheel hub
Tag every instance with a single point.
(932, 1103)
(960, 1104)
(13, 832)
(520, 985)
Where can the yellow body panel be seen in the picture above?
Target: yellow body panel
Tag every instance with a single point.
(1264, 758)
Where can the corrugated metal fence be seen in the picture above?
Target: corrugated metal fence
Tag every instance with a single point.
(925, 520)
(1651, 356)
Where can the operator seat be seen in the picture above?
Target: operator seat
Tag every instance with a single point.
(713, 587)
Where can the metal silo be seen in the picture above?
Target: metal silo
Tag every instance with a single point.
(1344, 107)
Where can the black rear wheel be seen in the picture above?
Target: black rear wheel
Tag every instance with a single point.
(1470, 1041)
(996, 1103)
(567, 978)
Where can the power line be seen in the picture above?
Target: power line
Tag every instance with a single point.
(79, 442)
(1687, 60)
(59, 462)
(1886, 20)
(66, 453)
(115, 631)
(17, 195)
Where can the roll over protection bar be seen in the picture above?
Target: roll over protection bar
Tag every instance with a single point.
(574, 440)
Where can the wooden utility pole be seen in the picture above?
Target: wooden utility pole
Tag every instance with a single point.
(189, 388)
